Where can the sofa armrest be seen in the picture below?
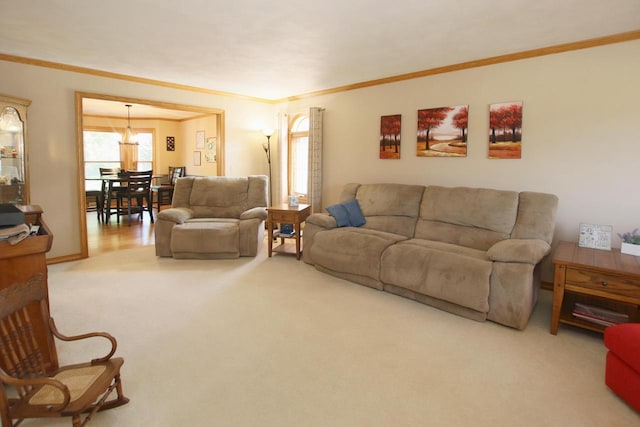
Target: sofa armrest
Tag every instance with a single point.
(177, 215)
(529, 251)
(322, 220)
(259, 213)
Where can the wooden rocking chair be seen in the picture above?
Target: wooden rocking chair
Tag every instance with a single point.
(32, 383)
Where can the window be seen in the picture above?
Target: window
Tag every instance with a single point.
(299, 157)
(101, 150)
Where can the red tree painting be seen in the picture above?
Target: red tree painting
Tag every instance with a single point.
(390, 136)
(442, 131)
(505, 130)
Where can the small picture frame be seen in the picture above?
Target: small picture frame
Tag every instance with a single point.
(210, 154)
(171, 143)
(595, 236)
(197, 158)
(200, 139)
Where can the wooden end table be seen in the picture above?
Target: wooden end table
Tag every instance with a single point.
(285, 214)
(604, 279)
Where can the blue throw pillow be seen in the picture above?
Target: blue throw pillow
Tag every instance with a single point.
(347, 214)
(356, 219)
(339, 212)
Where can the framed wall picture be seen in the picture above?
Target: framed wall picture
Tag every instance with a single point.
(200, 139)
(390, 131)
(442, 132)
(505, 130)
(210, 154)
(197, 158)
(171, 143)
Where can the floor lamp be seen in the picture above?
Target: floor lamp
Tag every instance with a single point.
(267, 151)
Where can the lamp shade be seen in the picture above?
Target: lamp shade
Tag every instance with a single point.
(129, 137)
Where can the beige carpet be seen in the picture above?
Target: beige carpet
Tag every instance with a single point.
(273, 342)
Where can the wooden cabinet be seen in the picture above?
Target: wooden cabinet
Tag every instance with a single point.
(14, 171)
(20, 262)
(604, 279)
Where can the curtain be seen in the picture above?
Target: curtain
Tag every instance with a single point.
(129, 156)
(315, 159)
(283, 163)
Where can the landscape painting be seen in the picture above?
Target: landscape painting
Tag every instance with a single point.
(505, 130)
(442, 132)
(390, 136)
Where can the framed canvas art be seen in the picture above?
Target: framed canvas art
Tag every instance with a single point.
(200, 139)
(171, 143)
(505, 130)
(390, 130)
(442, 132)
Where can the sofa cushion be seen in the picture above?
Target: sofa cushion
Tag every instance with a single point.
(339, 212)
(205, 239)
(347, 214)
(355, 251)
(529, 251)
(472, 217)
(222, 197)
(442, 271)
(392, 208)
(536, 216)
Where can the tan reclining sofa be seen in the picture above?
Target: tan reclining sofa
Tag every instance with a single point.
(471, 251)
(213, 217)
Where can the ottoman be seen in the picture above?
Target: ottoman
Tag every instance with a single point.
(622, 373)
(205, 240)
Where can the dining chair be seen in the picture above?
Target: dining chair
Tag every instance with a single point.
(138, 188)
(106, 197)
(31, 388)
(96, 196)
(164, 191)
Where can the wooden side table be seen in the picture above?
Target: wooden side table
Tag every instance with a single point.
(285, 214)
(604, 279)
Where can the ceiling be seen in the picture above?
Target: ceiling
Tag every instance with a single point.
(274, 49)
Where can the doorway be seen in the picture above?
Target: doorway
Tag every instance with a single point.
(109, 110)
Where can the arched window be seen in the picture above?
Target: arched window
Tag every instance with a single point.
(299, 157)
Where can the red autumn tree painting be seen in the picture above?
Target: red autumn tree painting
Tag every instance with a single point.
(505, 130)
(390, 136)
(442, 131)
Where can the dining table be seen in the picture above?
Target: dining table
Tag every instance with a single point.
(110, 184)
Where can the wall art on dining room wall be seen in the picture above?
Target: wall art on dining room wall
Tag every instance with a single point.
(200, 139)
(442, 132)
(210, 154)
(505, 130)
(171, 143)
(390, 130)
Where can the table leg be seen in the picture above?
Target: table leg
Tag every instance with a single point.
(558, 297)
(297, 225)
(270, 235)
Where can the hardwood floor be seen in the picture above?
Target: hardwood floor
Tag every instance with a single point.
(113, 236)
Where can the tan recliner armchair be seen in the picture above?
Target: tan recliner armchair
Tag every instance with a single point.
(213, 217)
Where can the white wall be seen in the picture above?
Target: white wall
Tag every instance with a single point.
(188, 132)
(581, 127)
(52, 136)
(581, 134)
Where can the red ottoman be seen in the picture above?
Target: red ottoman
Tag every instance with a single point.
(623, 362)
